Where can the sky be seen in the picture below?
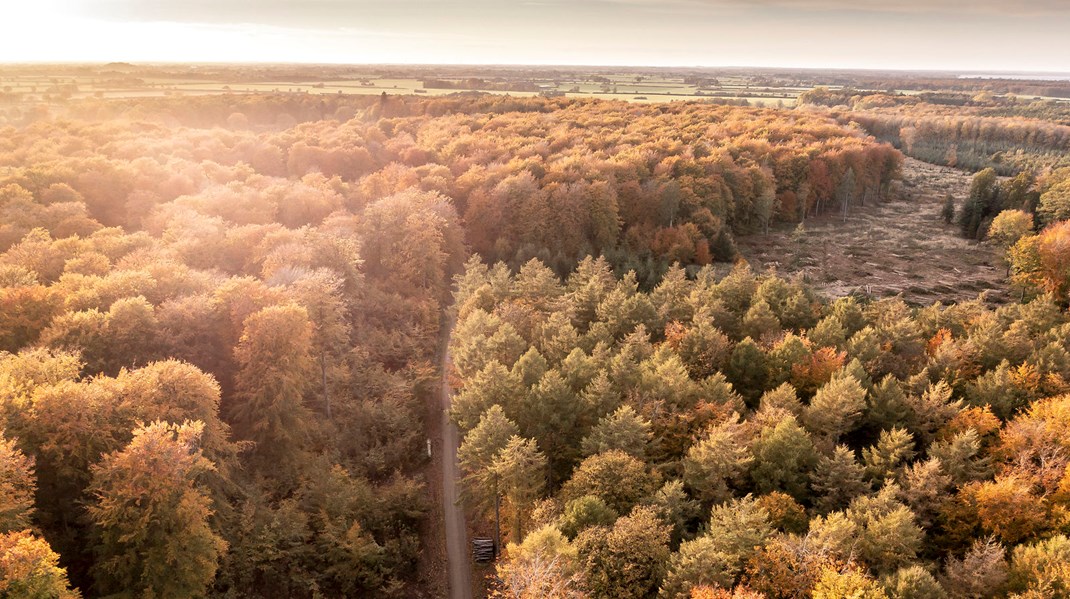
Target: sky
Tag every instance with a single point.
(976, 35)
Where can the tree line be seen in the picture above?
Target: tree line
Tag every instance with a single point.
(971, 131)
(553, 178)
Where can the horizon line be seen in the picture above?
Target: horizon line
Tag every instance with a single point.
(902, 69)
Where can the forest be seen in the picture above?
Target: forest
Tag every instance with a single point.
(221, 319)
(971, 130)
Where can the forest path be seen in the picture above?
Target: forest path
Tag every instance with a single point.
(460, 573)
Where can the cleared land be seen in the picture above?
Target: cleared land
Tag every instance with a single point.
(898, 246)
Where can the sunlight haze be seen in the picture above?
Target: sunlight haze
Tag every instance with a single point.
(947, 34)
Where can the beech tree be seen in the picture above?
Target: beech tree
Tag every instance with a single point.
(544, 565)
(29, 568)
(627, 560)
(276, 370)
(1007, 228)
(17, 487)
(151, 516)
(618, 479)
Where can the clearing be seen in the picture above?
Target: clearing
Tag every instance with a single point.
(891, 247)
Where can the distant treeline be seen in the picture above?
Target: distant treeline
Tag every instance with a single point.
(968, 131)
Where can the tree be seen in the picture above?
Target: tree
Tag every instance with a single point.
(549, 413)
(737, 529)
(174, 391)
(30, 569)
(980, 204)
(494, 385)
(17, 487)
(846, 191)
(584, 512)
(886, 459)
(481, 448)
(414, 240)
(717, 461)
(1007, 507)
(618, 479)
(747, 369)
(628, 560)
(980, 573)
(926, 488)
(321, 295)
(622, 430)
(851, 583)
(519, 471)
(1053, 255)
(783, 457)
(675, 507)
(889, 536)
(836, 408)
(151, 517)
(1055, 202)
(947, 212)
(1042, 567)
(545, 565)
(740, 592)
(276, 370)
(913, 582)
(837, 479)
(760, 322)
(1007, 228)
(25, 311)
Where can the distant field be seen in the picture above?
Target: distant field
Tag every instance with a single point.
(22, 89)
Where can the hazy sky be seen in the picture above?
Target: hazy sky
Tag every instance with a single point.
(933, 34)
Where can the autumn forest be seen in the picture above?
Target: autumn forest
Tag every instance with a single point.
(226, 321)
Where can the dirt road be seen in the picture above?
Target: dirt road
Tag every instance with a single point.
(456, 536)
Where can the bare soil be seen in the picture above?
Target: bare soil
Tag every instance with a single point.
(896, 246)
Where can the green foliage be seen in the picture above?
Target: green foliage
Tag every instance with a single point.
(947, 211)
(479, 451)
(717, 461)
(1055, 202)
(624, 430)
(884, 460)
(836, 408)
(1042, 567)
(583, 513)
(981, 204)
(519, 474)
(850, 584)
(618, 479)
(627, 560)
(783, 457)
(276, 369)
(913, 582)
